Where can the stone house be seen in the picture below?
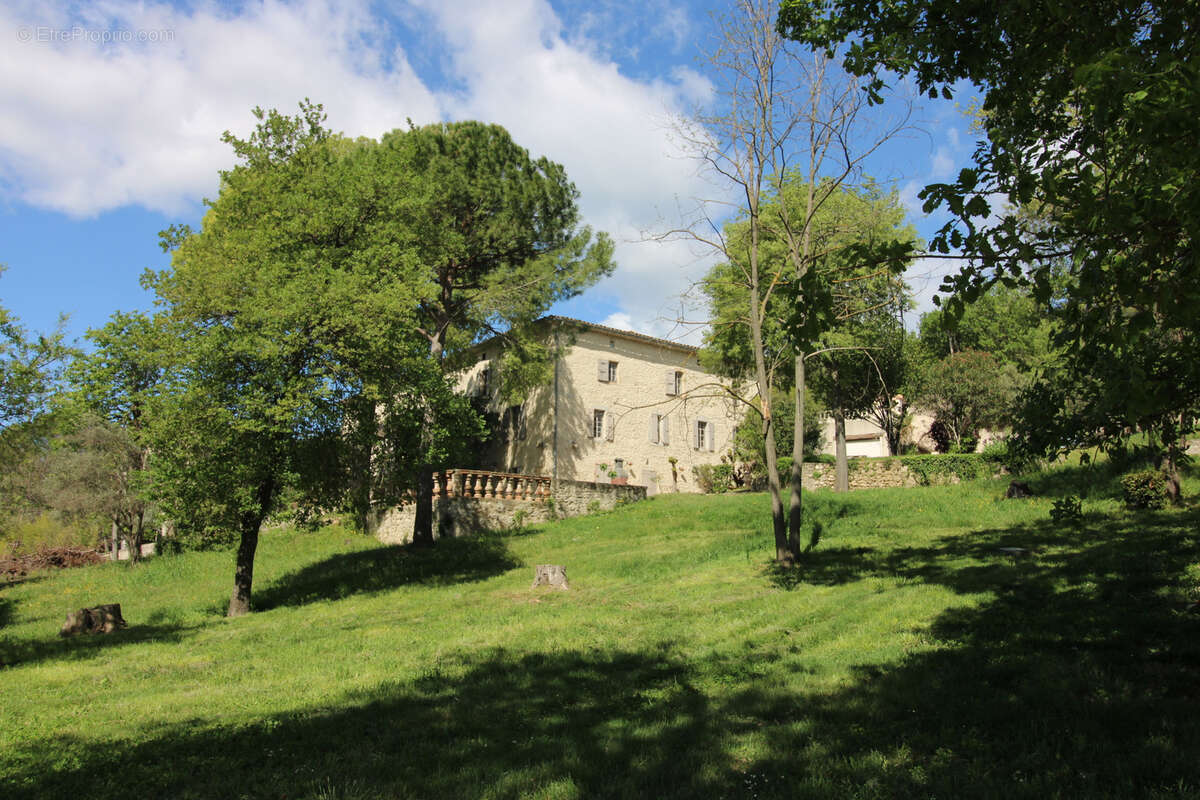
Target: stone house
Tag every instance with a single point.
(621, 407)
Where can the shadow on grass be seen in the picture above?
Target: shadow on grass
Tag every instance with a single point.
(379, 569)
(51, 647)
(1078, 677)
(566, 724)
(1075, 674)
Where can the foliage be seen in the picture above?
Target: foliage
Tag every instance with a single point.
(1004, 321)
(1084, 111)
(30, 366)
(713, 478)
(968, 391)
(749, 447)
(293, 365)
(948, 467)
(1067, 510)
(1145, 489)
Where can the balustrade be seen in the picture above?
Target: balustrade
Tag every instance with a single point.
(483, 484)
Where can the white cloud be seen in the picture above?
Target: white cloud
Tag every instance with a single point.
(924, 277)
(90, 126)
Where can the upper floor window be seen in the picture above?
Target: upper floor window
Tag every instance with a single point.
(674, 382)
(606, 371)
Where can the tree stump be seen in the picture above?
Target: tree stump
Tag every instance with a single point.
(550, 575)
(100, 619)
(1018, 489)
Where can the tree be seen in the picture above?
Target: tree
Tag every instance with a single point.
(490, 239)
(30, 366)
(968, 391)
(279, 320)
(115, 383)
(780, 119)
(1004, 321)
(856, 362)
(1084, 110)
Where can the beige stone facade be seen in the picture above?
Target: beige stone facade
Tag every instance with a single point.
(619, 402)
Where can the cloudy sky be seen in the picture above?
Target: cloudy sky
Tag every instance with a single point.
(113, 113)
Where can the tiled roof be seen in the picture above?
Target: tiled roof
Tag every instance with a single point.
(640, 337)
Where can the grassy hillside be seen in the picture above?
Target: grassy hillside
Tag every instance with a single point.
(908, 656)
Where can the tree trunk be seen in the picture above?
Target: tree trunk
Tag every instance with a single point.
(423, 517)
(115, 541)
(243, 575)
(1170, 468)
(135, 538)
(841, 481)
(796, 505)
(423, 513)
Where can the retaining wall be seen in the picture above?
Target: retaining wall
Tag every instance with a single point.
(462, 516)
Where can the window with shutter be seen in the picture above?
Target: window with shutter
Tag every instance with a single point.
(652, 430)
(598, 423)
(609, 424)
(602, 371)
(612, 372)
(711, 435)
(665, 430)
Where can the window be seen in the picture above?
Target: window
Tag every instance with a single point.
(659, 430)
(606, 371)
(486, 382)
(603, 422)
(674, 383)
(705, 437)
(701, 434)
(678, 383)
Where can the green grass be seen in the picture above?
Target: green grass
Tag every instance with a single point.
(907, 656)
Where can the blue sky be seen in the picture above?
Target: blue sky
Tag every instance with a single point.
(114, 111)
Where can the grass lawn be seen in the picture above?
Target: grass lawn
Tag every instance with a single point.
(907, 656)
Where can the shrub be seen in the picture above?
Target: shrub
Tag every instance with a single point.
(1144, 489)
(943, 467)
(713, 478)
(1067, 509)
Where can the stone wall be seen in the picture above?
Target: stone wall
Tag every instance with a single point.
(883, 473)
(462, 516)
(864, 474)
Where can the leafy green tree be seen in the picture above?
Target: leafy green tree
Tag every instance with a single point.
(1084, 110)
(280, 320)
(489, 238)
(31, 367)
(968, 391)
(115, 383)
(1004, 321)
(843, 305)
(749, 449)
